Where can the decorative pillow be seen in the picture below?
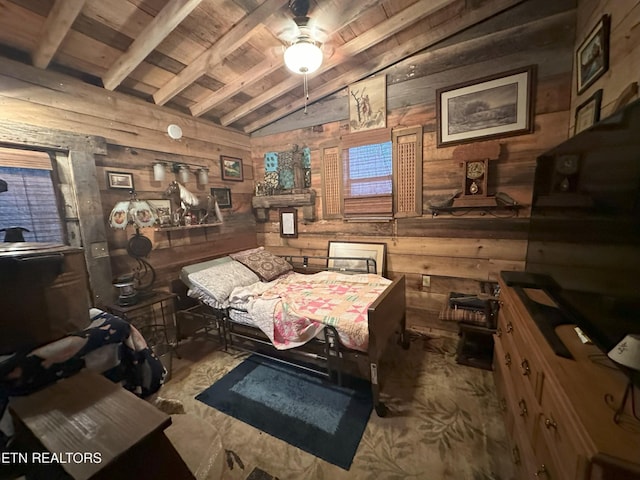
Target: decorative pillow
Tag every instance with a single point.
(219, 280)
(265, 264)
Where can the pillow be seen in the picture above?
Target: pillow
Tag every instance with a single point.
(220, 279)
(265, 264)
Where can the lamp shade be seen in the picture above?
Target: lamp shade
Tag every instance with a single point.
(119, 218)
(627, 352)
(203, 175)
(132, 212)
(304, 56)
(158, 171)
(183, 173)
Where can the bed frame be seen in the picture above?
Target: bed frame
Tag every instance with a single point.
(328, 357)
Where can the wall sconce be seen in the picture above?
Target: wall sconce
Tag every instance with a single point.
(182, 170)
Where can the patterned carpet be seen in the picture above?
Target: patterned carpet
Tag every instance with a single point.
(444, 423)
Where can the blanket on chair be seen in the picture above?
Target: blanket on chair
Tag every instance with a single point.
(109, 345)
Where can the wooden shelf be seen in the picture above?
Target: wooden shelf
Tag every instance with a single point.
(186, 227)
(435, 211)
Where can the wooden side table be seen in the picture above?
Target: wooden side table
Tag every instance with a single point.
(154, 317)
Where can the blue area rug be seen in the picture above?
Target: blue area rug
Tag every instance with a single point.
(305, 411)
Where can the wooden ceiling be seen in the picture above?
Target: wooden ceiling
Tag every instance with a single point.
(221, 60)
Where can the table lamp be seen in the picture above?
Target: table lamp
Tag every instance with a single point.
(139, 213)
(626, 354)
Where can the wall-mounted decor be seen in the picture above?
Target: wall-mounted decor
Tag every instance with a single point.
(222, 196)
(121, 180)
(368, 104)
(592, 56)
(355, 254)
(288, 171)
(163, 211)
(289, 222)
(588, 112)
(497, 106)
(231, 168)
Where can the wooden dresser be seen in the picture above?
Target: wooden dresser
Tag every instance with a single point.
(556, 417)
(44, 293)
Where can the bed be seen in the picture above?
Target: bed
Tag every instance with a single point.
(330, 322)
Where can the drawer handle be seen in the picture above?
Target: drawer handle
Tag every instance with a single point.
(550, 423)
(542, 471)
(507, 359)
(499, 332)
(523, 407)
(525, 368)
(509, 327)
(515, 455)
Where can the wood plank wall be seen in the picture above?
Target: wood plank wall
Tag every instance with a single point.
(135, 134)
(456, 252)
(624, 52)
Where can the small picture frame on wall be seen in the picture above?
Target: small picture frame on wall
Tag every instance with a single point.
(592, 56)
(588, 112)
(120, 180)
(222, 196)
(289, 222)
(231, 168)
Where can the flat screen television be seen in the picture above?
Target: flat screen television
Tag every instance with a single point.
(585, 226)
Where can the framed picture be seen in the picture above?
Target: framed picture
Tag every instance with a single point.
(222, 196)
(496, 106)
(289, 222)
(123, 180)
(163, 211)
(355, 256)
(368, 104)
(231, 168)
(588, 112)
(592, 56)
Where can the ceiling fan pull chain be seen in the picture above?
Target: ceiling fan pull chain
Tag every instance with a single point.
(306, 91)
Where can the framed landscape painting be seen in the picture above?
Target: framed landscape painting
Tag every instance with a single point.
(123, 180)
(592, 56)
(496, 106)
(222, 196)
(231, 168)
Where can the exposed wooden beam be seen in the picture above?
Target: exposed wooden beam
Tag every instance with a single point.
(373, 36)
(388, 58)
(334, 23)
(159, 28)
(214, 55)
(56, 26)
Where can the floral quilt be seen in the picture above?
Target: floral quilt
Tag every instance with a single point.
(295, 308)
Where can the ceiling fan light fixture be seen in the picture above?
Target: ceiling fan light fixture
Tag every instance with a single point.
(304, 56)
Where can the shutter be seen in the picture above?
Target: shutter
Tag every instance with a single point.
(331, 182)
(407, 172)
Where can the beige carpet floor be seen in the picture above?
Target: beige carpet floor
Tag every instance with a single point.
(444, 423)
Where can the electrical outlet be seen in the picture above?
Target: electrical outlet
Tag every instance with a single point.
(426, 280)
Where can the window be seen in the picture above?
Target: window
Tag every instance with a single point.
(30, 200)
(373, 175)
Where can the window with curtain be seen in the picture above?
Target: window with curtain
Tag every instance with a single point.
(373, 175)
(30, 201)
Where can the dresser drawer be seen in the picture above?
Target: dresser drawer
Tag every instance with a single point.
(556, 431)
(504, 389)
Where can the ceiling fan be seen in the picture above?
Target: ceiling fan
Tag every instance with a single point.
(304, 54)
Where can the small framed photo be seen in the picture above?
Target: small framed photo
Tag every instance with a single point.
(163, 211)
(497, 106)
(588, 112)
(122, 180)
(289, 222)
(592, 56)
(222, 196)
(231, 168)
(353, 257)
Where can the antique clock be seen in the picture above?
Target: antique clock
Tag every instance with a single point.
(475, 178)
(566, 173)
